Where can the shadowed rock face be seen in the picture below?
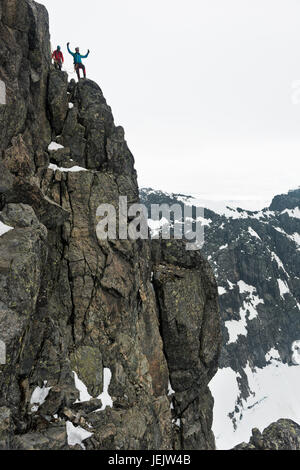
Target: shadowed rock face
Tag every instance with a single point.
(70, 303)
(24, 64)
(283, 435)
(191, 336)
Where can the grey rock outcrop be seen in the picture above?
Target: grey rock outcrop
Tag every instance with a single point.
(73, 305)
(283, 435)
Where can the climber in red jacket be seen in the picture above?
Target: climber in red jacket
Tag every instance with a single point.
(58, 58)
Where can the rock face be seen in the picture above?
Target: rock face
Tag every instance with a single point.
(95, 330)
(195, 331)
(256, 260)
(25, 61)
(283, 435)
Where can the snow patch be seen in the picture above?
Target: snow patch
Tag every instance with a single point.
(39, 396)
(295, 237)
(273, 354)
(221, 290)
(283, 288)
(156, 225)
(228, 207)
(296, 353)
(280, 230)
(253, 233)
(223, 247)
(76, 435)
(170, 389)
(279, 262)
(82, 389)
(295, 213)
(225, 390)
(4, 228)
(262, 215)
(105, 397)
(203, 221)
(54, 146)
(247, 312)
(74, 169)
(245, 288)
(236, 328)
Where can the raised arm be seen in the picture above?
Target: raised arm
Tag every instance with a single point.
(70, 52)
(85, 56)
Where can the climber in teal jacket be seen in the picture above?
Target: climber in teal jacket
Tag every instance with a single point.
(77, 60)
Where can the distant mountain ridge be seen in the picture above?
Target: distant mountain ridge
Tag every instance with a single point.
(218, 203)
(255, 256)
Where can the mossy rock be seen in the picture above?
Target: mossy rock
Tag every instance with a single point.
(86, 361)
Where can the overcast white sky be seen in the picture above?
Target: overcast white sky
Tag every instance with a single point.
(203, 88)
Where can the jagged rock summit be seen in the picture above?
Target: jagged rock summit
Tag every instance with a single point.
(109, 344)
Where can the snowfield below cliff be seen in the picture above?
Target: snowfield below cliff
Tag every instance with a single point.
(274, 394)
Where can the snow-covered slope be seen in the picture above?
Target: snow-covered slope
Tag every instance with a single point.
(274, 395)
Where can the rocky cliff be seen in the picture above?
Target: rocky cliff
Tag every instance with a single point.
(256, 260)
(109, 344)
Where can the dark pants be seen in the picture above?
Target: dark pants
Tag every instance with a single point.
(58, 64)
(78, 67)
